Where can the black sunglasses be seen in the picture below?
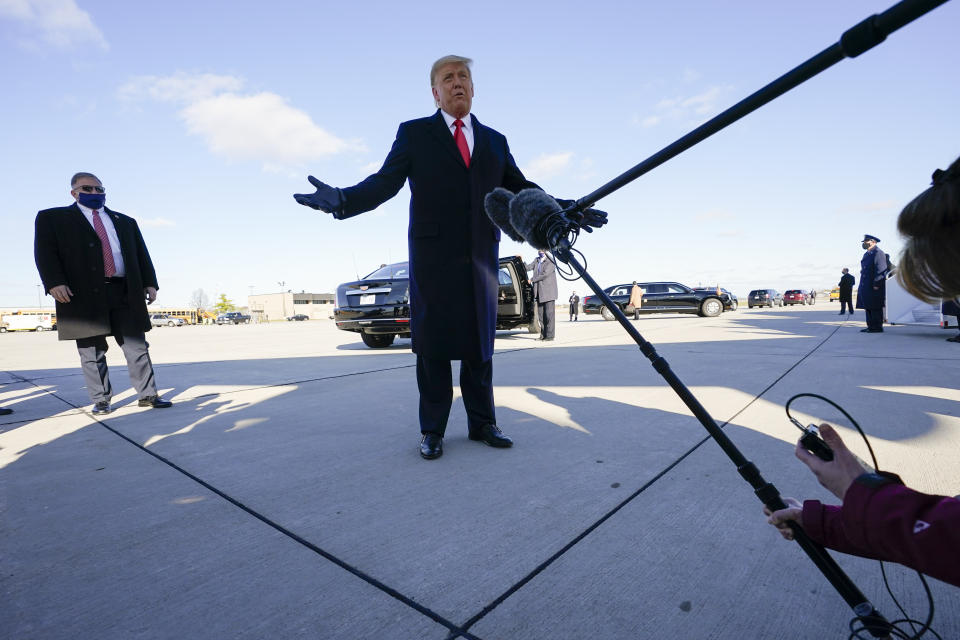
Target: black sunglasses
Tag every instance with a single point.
(90, 189)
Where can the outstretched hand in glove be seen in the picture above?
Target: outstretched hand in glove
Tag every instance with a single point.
(325, 198)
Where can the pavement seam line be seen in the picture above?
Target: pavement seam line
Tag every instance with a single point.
(563, 550)
(390, 591)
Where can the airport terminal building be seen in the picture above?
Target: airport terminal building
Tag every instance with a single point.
(273, 307)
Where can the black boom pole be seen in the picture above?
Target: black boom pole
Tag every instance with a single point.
(853, 42)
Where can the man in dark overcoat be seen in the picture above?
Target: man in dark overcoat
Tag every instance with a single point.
(574, 307)
(872, 291)
(95, 264)
(451, 162)
(846, 291)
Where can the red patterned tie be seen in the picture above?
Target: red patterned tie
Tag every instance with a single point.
(108, 267)
(461, 141)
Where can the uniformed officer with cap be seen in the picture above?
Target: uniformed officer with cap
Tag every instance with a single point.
(872, 291)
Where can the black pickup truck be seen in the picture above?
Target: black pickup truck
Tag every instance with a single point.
(233, 317)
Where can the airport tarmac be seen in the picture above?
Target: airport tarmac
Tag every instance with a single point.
(282, 496)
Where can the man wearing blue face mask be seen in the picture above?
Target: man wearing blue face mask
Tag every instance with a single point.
(95, 264)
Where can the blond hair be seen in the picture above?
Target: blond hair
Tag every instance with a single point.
(451, 59)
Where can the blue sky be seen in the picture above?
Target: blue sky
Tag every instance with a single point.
(202, 118)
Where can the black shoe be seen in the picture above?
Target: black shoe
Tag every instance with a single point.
(954, 339)
(154, 401)
(871, 330)
(101, 408)
(842, 313)
(431, 446)
(490, 434)
(5, 412)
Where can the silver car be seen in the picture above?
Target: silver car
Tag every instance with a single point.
(163, 320)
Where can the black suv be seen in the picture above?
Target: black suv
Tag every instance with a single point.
(764, 298)
(378, 305)
(659, 297)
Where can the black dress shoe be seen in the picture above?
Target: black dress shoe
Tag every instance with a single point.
(431, 446)
(871, 330)
(490, 434)
(101, 408)
(154, 401)
(5, 412)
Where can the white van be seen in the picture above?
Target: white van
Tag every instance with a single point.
(27, 321)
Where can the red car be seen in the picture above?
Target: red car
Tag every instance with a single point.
(796, 296)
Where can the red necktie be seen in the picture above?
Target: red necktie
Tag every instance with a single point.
(108, 267)
(461, 141)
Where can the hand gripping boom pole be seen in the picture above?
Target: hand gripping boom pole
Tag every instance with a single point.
(872, 620)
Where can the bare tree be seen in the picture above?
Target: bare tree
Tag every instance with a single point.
(199, 299)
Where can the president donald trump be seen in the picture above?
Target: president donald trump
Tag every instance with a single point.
(451, 161)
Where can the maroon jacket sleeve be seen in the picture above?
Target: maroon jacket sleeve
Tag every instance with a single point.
(894, 523)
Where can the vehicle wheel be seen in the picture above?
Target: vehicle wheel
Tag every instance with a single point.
(711, 308)
(733, 305)
(377, 340)
(606, 314)
(3, 329)
(39, 329)
(170, 324)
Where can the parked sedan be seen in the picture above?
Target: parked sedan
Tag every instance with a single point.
(163, 320)
(797, 296)
(378, 305)
(300, 317)
(764, 298)
(659, 297)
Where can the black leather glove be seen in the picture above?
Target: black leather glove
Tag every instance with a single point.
(588, 220)
(325, 198)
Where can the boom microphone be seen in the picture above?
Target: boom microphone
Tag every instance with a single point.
(539, 219)
(497, 205)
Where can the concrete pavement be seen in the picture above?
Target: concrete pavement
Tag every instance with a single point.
(282, 496)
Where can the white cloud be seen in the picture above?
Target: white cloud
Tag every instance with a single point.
(548, 164)
(59, 23)
(240, 126)
(685, 108)
(180, 87)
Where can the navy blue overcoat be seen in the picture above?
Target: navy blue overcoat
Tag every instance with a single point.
(453, 246)
(873, 270)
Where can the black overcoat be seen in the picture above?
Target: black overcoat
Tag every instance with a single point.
(873, 269)
(453, 246)
(67, 251)
(846, 287)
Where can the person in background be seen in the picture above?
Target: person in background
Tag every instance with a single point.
(544, 283)
(95, 264)
(846, 291)
(574, 307)
(872, 293)
(878, 516)
(636, 299)
(951, 308)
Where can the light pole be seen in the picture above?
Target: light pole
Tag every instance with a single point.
(283, 297)
(39, 297)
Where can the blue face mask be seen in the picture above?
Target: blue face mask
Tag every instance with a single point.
(92, 200)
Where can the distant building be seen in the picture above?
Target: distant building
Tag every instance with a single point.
(272, 307)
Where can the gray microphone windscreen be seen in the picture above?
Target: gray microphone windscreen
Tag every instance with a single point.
(527, 209)
(497, 205)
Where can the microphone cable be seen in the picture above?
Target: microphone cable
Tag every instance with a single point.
(856, 626)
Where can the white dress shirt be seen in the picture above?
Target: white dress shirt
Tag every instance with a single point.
(467, 128)
(111, 236)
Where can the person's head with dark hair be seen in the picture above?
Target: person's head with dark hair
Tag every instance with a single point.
(930, 224)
